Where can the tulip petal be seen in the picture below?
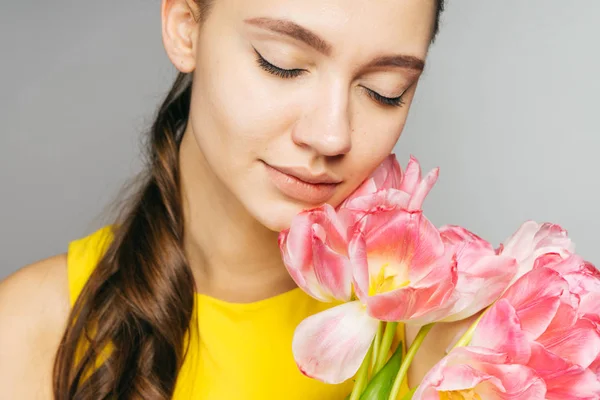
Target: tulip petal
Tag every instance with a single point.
(566, 315)
(367, 187)
(444, 268)
(563, 379)
(549, 238)
(519, 381)
(314, 251)
(419, 303)
(533, 240)
(576, 383)
(583, 279)
(476, 371)
(467, 245)
(595, 368)
(333, 271)
(482, 275)
(296, 243)
(447, 376)
(331, 345)
(579, 344)
(385, 199)
(304, 278)
(423, 189)
(466, 377)
(388, 175)
(547, 364)
(536, 297)
(590, 304)
(412, 176)
(552, 236)
(500, 330)
(406, 240)
(357, 250)
(548, 260)
(481, 284)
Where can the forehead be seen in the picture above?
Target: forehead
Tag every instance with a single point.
(350, 26)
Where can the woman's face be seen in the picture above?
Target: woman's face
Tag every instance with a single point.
(352, 71)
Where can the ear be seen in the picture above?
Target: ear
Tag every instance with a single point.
(180, 32)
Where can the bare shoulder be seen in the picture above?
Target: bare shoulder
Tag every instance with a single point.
(34, 306)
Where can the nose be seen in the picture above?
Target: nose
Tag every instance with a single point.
(326, 126)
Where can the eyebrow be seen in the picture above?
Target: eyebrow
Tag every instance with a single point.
(295, 31)
(300, 33)
(399, 60)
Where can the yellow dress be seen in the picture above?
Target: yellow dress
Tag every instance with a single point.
(239, 351)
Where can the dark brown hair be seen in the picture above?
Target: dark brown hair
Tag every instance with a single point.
(125, 337)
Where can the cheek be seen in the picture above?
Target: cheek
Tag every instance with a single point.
(235, 103)
(374, 136)
(242, 110)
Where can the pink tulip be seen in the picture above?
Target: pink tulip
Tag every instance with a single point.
(482, 275)
(388, 175)
(418, 188)
(402, 270)
(480, 373)
(582, 276)
(331, 345)
(532, 344)
(537, 323)
(548, 314)
(563, 379)
(412, 187)
(328, 346)
(533, 240)
(595, 368)
(315, 253)
(500, 330)
(536, 297)
(529, 345)
(583, 279)
(387, 188)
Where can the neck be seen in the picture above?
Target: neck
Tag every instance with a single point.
(233, 256)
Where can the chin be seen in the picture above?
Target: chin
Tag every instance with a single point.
(276, 212)
(278, 215)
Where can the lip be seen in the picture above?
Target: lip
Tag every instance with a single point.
(305, 175)
(307, 187)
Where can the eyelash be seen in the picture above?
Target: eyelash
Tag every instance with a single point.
(280, 72)
(388, 101)
(293, 73)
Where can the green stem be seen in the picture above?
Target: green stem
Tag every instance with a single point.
(362, 376)
(409, 395)
(386, 344)
(376, 345)
(466, 338)
(410, 354)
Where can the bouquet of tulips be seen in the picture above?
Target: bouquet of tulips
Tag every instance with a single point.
(535, 303)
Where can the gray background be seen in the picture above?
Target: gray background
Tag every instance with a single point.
(508, 108)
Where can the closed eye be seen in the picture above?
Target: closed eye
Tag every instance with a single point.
(274, 70)
(386, 101)
(293, 73)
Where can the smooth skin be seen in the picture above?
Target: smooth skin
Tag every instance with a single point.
(333, 112)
